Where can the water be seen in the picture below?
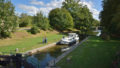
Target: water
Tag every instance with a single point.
(41, 59)
(40, 63)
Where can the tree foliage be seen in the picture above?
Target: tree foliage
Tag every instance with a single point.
(95, 23)
(25, 20)
(81, 15)
(7, 18)
(74, 8)
(110, 17)
(60, 19)
(41, 21)
(34, 30)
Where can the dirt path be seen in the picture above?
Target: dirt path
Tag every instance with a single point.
(39, 49)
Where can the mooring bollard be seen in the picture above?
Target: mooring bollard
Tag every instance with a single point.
(17, 50)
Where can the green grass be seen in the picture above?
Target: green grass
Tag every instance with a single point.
(94, 53)
(30, 43)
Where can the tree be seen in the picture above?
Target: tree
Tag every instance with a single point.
(74, 8)
(25, 20)
(110, 19)
(85, 20)
(8, 19)
(60, 19)
(95, 24)
(81, 15)
(41, 21)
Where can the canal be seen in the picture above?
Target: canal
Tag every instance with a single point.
(41, 59)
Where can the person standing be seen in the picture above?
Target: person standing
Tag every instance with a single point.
(45, 39)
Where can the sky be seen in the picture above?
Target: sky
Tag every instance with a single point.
(31, 7)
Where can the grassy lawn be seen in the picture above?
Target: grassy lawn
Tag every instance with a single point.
(94, 53)
(29, 43)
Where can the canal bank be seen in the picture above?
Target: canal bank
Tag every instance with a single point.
(53, 62)
(39, 49)
(49, 57)
(40, 59)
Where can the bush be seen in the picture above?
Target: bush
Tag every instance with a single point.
(92, 33)
(5, 34)
(105, 36)
(51, 29)
(23, 24)
(34, 30)
(81, 36)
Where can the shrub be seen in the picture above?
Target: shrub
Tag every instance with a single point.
(34, 30)
(92, 33)
(81, 36)
(23, 24)
(51, 29)
(105, 35)
(5, 34)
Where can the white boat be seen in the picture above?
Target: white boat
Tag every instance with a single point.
(72, 38)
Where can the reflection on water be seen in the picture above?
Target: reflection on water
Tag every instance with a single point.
(42, 63)
(40, 59)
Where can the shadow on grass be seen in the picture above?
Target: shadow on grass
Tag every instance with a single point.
(94, 53)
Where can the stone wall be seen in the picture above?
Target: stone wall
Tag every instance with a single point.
(38, 49)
